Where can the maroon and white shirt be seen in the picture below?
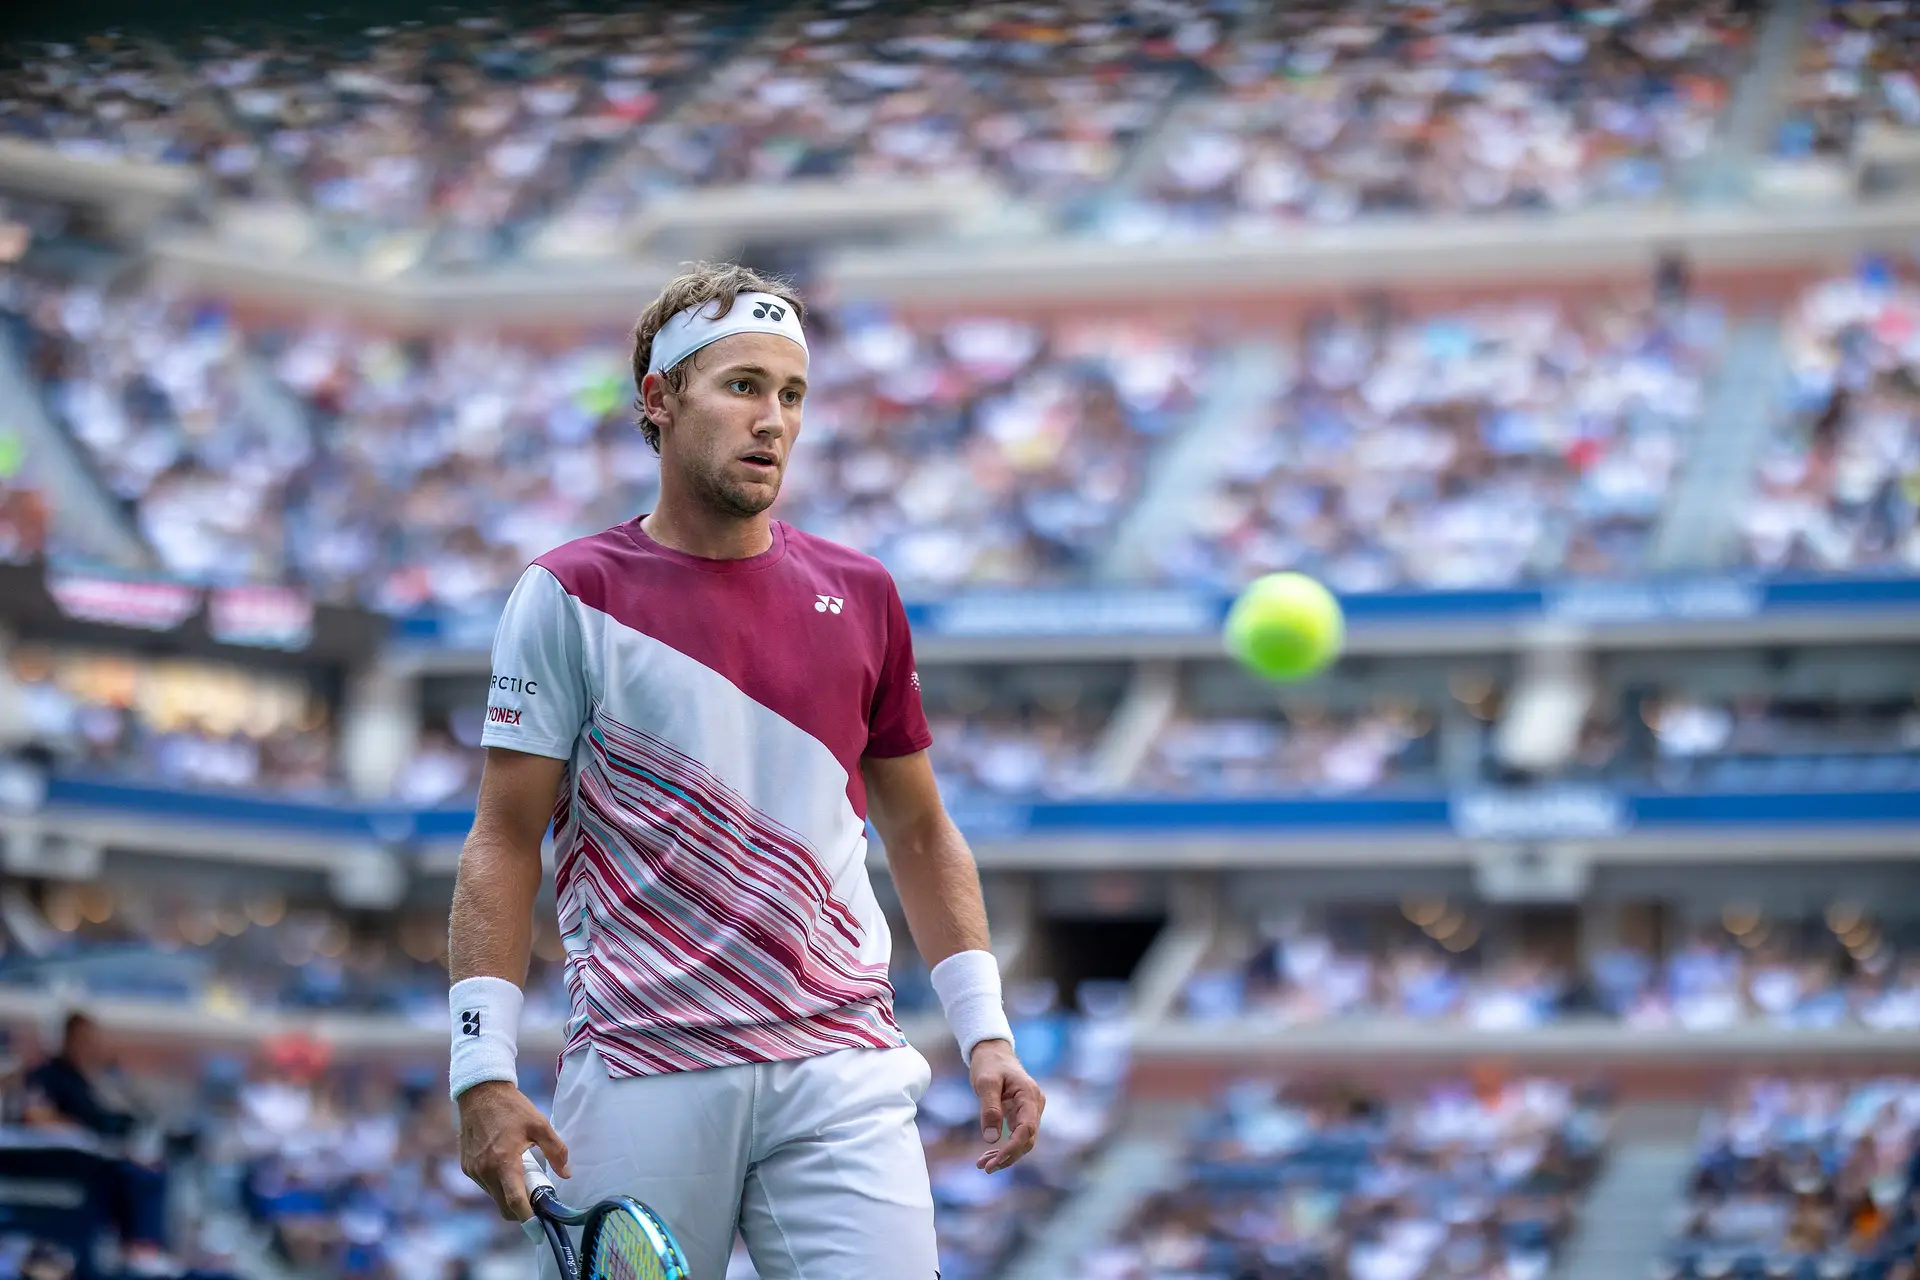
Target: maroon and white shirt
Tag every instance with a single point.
(711, 831)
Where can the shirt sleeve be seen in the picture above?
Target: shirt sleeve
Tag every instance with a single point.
(538, 699)
(896, 723)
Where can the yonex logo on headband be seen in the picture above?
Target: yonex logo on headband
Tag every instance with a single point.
(694, 327)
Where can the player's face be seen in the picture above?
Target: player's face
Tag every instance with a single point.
(736, 423)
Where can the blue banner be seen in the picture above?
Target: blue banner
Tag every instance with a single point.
(1544, 813)
(1166, 612)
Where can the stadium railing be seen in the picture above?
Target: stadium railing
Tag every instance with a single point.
(1141, 623)
(1582, 825)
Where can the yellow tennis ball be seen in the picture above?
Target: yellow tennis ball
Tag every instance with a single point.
(1285, 626)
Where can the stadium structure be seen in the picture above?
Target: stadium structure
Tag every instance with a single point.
(1579, 352)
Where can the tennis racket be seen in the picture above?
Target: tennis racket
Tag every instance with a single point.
(621, 1239)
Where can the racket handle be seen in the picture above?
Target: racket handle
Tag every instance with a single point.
(537, 1179)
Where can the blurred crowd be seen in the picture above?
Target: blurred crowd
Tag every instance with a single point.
(1447, 964)
(1805, 1178)
(172, 722)
(1838, 487)
(157, 391)
(1045, 101)
(1457, 1180)
(1477, 447)
(1306, 750)
(986, 449)
(1008, 753)
(248, 955)
(1756, 743)
(283, 1159)
(1329, 112)
(1857, 68)
(203, 725)
(454, 138)
(410, 474)
(351, 1170)
(115, 96)
(465, 128)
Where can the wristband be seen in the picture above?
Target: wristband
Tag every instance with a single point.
(486, 1033)
(968, 984)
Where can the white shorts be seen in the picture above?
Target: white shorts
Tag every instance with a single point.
(815, 1162)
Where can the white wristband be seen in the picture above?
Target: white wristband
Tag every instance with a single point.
(486, 1033)
(968, 984)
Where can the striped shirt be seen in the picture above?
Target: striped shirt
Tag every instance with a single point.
(710, 834)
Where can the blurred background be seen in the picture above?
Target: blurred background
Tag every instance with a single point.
(1568, 929)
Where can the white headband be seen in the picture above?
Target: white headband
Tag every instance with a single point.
(690, 329)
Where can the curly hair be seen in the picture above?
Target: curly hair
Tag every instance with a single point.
(715, 284)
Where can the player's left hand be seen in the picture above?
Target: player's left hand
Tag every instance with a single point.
(1007, 1095)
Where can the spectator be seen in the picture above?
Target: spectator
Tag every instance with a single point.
(72, 1088)
(66, 1084)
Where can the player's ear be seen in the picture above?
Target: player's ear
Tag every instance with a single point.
(656, 397)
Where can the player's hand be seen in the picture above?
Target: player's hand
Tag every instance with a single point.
(497, 1125)
(1009, 1096)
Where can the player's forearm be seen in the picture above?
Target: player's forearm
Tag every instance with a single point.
(939, 888)
(491, 930)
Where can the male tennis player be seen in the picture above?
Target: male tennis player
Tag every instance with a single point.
(708, 704)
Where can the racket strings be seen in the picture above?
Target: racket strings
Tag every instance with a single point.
(626, 1248)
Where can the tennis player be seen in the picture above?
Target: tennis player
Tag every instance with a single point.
(708, 705)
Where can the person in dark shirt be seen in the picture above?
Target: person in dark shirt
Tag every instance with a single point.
(63, 1090)
(64, 1084)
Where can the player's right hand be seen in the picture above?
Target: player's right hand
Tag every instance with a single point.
(497, 1125)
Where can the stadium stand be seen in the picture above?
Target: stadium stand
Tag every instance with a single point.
(1479, 447)
(1337, 111)
(1439, 962)
(153, 388)
(108, 98)
(1045, 102)
(1835, 489)
(1454, 1180)
(1856, 69)
(177, 723)
(1309, 750)
(1803, 1178)
(466, 127)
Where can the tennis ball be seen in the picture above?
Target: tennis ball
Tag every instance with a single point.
(1285, 626)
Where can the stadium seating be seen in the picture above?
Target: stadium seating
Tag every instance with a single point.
(456, 137)
(1477, 447)
(1801, 1179)
(1471, 448)
(1309, 751)
(1835, 487)
(1856, 69)
(154, 388)
(1337, 111)
(109, 97)
(1469, 968)
(185, 724)
(1046, 103)
(1448, 1181)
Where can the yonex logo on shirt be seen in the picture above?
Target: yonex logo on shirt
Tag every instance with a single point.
(503, 715)
(828, 604)
(470, 1022)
